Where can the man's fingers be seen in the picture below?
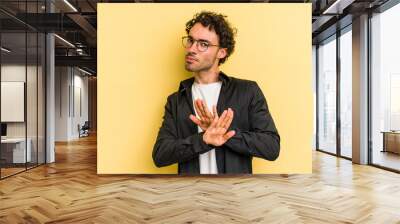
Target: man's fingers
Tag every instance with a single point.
(205, 111)
(229, 119)
(196, 107)
(199, 109)
(195, 119)
(229, 134)
(208, 113)
(224, 122)
(214, 122)
(222, 118)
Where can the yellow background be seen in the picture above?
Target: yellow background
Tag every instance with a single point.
(141, 62)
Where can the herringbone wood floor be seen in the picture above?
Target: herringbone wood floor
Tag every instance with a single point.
(69, 191)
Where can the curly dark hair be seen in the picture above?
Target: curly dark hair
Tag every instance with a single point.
(216, 22)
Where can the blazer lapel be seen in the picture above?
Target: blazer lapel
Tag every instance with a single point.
(186, 86)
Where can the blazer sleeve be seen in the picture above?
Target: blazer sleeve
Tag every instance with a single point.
(169, 148)
(262, 139)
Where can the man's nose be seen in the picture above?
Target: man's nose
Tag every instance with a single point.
(193, 48)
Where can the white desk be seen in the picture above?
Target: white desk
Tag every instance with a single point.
(19, 149)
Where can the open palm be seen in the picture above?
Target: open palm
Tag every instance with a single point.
(217, 133)
(205, 116)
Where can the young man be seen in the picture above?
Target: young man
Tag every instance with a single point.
(214, 123)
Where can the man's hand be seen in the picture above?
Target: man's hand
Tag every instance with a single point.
(206, 117)
(217, 133)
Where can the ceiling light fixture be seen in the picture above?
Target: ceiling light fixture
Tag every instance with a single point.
(337, 7)
(70, 5)
(64, 40)
(5, 50)
(84, 71)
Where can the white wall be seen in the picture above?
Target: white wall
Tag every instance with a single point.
(81, 102)
(71, 94)
(62, 81)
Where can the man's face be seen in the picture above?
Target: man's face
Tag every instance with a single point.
(195, 60)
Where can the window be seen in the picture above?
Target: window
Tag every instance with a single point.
(385, 88)
(327, 95)
(346, 92)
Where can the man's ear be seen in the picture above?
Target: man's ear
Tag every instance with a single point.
(222, 52)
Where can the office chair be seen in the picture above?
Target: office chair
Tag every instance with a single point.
(84, 130)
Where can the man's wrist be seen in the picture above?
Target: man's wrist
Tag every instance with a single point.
(202, 137)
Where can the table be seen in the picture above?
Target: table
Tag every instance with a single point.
(18, 151)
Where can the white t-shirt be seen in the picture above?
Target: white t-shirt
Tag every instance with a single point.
(209, 93)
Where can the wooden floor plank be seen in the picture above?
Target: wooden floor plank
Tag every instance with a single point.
(70, 191)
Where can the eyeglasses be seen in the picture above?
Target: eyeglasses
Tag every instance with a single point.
(202, 45)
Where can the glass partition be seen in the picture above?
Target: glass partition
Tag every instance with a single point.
(22, 77)
(14, 153)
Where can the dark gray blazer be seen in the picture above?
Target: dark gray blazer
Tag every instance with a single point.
(179, 141)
